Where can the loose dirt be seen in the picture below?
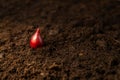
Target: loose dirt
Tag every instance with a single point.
(81, 40)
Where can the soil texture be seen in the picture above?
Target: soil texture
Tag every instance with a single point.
(81, 39)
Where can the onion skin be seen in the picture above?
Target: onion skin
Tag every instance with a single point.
(36, 40)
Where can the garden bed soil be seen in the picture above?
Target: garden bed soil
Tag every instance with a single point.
(81, 40)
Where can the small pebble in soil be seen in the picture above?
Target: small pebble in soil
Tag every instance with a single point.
(80, 54)
(1, 55)
(44, 74)
(53, 32)
(101, 43)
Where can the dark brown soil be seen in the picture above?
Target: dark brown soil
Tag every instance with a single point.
(81, 40)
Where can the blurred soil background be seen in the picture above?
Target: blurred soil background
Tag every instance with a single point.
(81, 40)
